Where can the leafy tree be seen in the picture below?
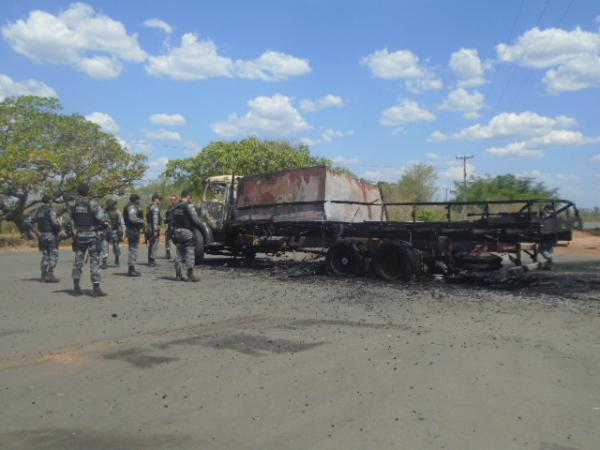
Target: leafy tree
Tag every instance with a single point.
(249, 156)
(43, 151)
(417, 184)
(502, 187)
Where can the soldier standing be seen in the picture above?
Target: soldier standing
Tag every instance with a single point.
(153, 221)
(134, 224)
(185, 220)
(114, 234)
(44, 223)
(88, 218)
(169, 221)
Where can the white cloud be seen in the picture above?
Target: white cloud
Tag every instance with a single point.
(328, 101)
(456, 172)
(274, 116)
(402, 65)
(572, 57)
(104, 121)
(162, 134)
(343, 161)
(509, 124)
(596, 158)
(532, 148)
(167, 119)
(272, 66)
(330, 134)
(160, 24)
(156, 167)
(199, 59)
(434, 156)
(467, 66)
(11, 88)
(79, 37)
(468, 103)
(407, 111)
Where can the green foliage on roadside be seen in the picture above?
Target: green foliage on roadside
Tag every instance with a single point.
(45, 152)
(502, 187)
(417, 184)
(248, 156)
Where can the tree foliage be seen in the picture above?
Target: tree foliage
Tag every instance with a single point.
(45, 152)
(417, 184)
(502, 187)
(248, 156)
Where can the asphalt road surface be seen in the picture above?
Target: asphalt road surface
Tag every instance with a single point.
(275, 357)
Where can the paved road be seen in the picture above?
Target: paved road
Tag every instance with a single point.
(252, 359)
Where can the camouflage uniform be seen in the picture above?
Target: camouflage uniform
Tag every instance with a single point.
(113, 235)
(134, 223)
(154, 221)
(185, 220)
(48, 228)
(169, 232)
(88, 218)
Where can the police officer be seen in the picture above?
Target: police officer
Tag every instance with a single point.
(114, 234)
(185, 219)
(134, 224)
(169, 221)
(89, 219)
(153, 221)
(46, 227)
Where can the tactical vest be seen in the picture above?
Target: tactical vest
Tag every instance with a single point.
(149, 215)
(42, 219)
(113, 216)
(82, 214)
(128, 222)
(181, 216)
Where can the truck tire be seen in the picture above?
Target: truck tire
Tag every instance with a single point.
(395, 261)
(344, 259)
(198, 247)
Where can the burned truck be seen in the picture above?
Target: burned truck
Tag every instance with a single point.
(347, 220)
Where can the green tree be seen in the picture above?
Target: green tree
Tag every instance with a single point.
(248, 156)
(417, 184)
(502, 187)
(43, 151)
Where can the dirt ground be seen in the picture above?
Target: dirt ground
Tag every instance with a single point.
(274, 356)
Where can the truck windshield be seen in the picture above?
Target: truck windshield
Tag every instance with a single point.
(215, 192)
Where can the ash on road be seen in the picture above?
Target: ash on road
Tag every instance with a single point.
(262, 358)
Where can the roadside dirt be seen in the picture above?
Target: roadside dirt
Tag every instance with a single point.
(276, 355)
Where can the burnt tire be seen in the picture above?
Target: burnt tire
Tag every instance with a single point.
(395, 261)
(198, 247)
(344, 259)
(478, 262)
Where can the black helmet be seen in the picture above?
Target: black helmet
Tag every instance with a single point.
(83, 189)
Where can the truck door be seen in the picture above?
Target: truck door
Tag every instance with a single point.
(214, 206)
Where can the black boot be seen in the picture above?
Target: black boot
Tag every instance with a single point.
(151, 262)
(178, 274)
(76, 288)
(117, 261)
(132, 272)
(104, 265)
(191, 277)
(97, 292)
(44, 276)
(50, 278)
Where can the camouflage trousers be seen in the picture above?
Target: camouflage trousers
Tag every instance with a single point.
(133, 238)
(48, 244)
(90, 244)
(153, 243)
(186, 252)
(168, 242)
(111, 237)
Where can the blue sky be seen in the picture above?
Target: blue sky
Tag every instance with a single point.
(374, 85)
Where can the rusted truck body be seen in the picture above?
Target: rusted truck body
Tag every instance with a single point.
(345, 219)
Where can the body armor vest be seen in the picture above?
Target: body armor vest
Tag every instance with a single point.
(42, 219)
(128, 222)
(82, 214)
(181, 217)
(113, 216)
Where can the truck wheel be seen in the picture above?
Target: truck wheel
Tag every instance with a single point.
(395, 261)
(198, 247)
(344, 259)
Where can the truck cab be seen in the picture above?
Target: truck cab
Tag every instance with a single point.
(218, 200)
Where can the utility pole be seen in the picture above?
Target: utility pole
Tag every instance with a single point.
(464, 160)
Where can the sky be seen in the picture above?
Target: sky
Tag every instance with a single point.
(374, 85)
